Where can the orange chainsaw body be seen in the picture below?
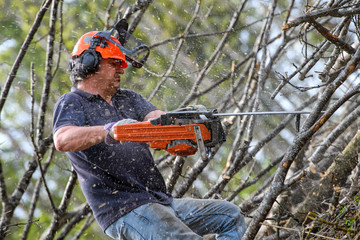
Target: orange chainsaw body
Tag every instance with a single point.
(179, 140)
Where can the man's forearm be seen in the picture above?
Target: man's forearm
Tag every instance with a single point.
(73, 138)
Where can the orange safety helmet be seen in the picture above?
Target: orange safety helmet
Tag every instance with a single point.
(90, 42)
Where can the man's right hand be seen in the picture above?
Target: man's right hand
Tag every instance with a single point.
(110, 128)
(121, 122)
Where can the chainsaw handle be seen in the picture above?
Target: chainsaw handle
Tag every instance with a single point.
(184, 117)
(155, 121)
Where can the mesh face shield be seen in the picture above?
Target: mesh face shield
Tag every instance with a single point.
(135, 51)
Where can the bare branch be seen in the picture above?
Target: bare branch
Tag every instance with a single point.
(90, 219)
(60, 216)
(354, 115)
(332, 38)
(22, 52)
(335, 177)
(332, 12)
(36, 195)
(299, 142)
(3, 193)
(48, 70)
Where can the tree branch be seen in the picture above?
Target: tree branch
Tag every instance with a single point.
(327, 12)
(48, 70)
(303, 137)
(332, 38)
(22, 52)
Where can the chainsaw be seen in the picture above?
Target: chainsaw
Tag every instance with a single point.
(184, 132)
(180, 133)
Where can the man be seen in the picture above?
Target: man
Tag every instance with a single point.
(121, 183)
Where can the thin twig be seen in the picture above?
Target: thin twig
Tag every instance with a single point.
(214, 55)
(297, 230)
(177, 51)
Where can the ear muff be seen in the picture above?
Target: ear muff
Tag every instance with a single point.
(90, 59)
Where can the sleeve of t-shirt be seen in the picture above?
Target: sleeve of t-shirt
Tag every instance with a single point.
(68, 111)
(142, 106)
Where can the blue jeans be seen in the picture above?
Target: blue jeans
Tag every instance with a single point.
(183, 219)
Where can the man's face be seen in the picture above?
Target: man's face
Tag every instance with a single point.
(109, 73)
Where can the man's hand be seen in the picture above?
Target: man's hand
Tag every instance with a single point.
(110, 128)
(121, 122)
(109, 139)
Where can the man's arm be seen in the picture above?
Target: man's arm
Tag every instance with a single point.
(74, 138)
